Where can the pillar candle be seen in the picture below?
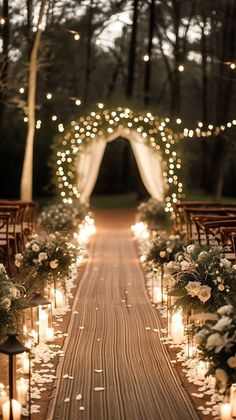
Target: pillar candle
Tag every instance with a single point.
(59, 299)
(156, 294)
(43, 324)
(177, 328)
(225, 411)
(16, 410)
(21, 390)
(50, 334)
(232, 399)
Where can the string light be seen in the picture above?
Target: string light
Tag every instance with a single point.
(181, 68)
(155, 132)
(77, 102)
(21, 90)
(76, 37)
(146, 57)
(49, 96)
(2, 21)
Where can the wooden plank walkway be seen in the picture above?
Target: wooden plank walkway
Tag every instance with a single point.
(112, 345)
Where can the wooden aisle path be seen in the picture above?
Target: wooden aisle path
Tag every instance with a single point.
(117, 361)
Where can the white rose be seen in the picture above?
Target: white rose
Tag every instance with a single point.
(222, 323)
(185, 265)
(19, 257)
(204, 293)
(54, 264)
(190, 249)
(214, 340)
(162, 254)
(202, 255)
(225, 263)
(224, 310)
(42, 256)
(172, 237)
(2, 269)
(234, 267)
(35, 248)
(193, 288)
(169, 250)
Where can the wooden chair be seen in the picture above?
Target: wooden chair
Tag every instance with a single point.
(5, 241)
(201, 222)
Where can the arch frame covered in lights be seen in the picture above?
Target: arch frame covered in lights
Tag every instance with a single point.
(107, 125)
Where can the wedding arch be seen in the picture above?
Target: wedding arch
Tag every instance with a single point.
(80, 151)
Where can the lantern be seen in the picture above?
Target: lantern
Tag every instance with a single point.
(15, 378)
(41, 316)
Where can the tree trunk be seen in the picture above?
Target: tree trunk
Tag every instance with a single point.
(27, 171)
(148, 65)
(176, 83)
(4, 70)
(132, 51)
(88, 54)
(205, 153)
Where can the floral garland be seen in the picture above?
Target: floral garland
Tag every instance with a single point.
(47, 259)
(12, 298)
(62, 217)
(204, 278)
(217, 343)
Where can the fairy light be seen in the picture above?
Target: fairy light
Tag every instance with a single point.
(21, 90)
(102, 123)
(49, 96)
(77, 37)
(78, 102)
(54, 118)
(181, 68)
(2, 21)
(146, 58)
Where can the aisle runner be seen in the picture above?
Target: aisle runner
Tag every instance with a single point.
(115, 366)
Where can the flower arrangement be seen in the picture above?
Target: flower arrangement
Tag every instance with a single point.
(12, 298)
(152, 212)
(217, 344)
(163, 249)
(204, 278)
(47, 259)
(62, 217)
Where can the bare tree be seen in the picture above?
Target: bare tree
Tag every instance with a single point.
(27, 172)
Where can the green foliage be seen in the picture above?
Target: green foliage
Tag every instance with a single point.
(152, 212)
(46, 259)
(12, 299)
(204, 278)
(163, 249)
(62, 217)
(217, 344)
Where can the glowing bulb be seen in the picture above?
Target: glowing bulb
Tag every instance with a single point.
(146, 57)
(181, 68)
(2, 21)
(100, 105)
(233, 66)
(25, 119)
(49, 95)
(21, 90)
(54, 118)
(178, 121)
(76, 37)
(98, 42)
(78, 102)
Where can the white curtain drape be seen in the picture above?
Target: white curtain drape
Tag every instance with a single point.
(148, 161)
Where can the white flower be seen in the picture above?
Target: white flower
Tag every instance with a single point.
(204, 293)
(193, 288)
(172, 237)
(200, 336)
(162, 254)
(185, 265)
(2, 269)
(214, 340)
(224, 310)
(172, 266)
(169, 250)
(222, 323)
(234, 267)
(19, 257)
(231, 362)
(17, 263)
(35, 248)
(190, 249)
(6, 303)
(27, 245)
(225, 263)
(42, 256)
(54, 264)
(202, 255)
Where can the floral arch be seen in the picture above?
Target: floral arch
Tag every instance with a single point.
(79, 153)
